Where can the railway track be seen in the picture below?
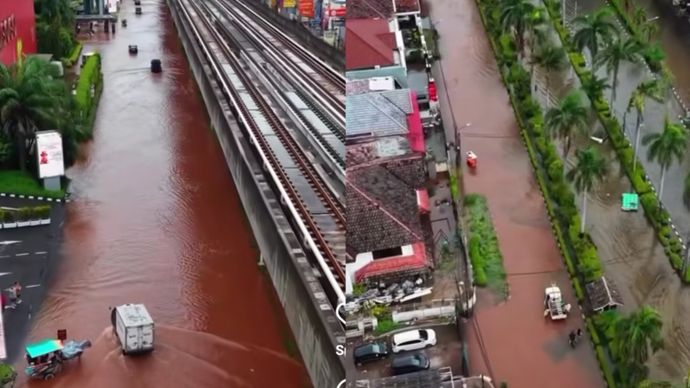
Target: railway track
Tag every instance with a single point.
(316, 214)
(318, 84)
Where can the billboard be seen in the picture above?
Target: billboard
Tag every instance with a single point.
(49, 153)
(289, 3)
(306, 8)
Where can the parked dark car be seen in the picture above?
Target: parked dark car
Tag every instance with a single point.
(370, 352)
(409, 364)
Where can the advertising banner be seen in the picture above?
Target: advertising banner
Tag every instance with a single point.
(49, 153)
(306, 8)
(289, 3)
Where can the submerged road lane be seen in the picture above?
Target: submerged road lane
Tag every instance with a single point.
(156, 220)
(509, 340)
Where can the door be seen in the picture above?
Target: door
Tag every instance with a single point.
(146, 337)
(133, 336)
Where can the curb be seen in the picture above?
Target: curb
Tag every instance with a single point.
(36, 198)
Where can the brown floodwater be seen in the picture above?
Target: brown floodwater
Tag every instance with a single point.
(157, 220)
(510, 339)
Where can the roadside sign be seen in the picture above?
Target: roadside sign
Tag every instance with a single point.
(306, 8)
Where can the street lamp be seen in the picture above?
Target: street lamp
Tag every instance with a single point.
(456, 145)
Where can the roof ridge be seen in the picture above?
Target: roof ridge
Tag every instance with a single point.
(382, 207)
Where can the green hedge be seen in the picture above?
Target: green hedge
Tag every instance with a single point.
(90, 78)
(648, 199)
(25, 214)
(579, 252)
(23, 183)
(653, 55)
(485, 253)
(73, 56)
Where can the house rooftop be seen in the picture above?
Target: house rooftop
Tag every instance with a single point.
(373, 84)
(378, 113)
(373, 42)
(603, 294)
(402, 6)
(364, 9)
(382, 208)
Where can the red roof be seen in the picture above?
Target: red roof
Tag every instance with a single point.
(423, 200)
(415, 131)
(369, 43)
(407, 6)
(416, 261)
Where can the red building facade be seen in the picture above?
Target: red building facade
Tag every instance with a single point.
(17, 22)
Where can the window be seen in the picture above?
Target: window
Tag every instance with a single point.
(423, 334)
(385, 253)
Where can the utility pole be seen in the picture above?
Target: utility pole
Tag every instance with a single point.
(686, 259)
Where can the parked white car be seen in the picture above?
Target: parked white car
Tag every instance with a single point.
(413, 340)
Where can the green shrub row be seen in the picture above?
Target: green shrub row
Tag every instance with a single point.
(73, 56)
(579, 252)
(90, 78)
(653, 55)
(25, 214)
(485, 253)
(648, 199)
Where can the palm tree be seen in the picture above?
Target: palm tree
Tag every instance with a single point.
(618, 51)
(517, 15)
(651, 89)
(594, 86)
(686, 191)
(27, 101)
(665, 147)
(590, 169)
(568, 116)
(594, 30)
(550, 58)
(636, 334)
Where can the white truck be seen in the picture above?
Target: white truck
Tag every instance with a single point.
(134, 328)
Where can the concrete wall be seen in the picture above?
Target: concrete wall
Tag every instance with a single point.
(320, 48)
(312, 319)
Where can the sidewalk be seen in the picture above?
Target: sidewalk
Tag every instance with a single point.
(631, 254)
(511, 341)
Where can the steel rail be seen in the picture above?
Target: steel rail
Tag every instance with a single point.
(287, 193)
(331, 104)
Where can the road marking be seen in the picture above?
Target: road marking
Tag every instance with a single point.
(32, 286)
(5, 273)
(9, 242)
(22, 254)
(41, 253)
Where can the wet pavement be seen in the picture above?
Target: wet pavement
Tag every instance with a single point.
(156, 220)
(510, 341)
(632, 256)
(675, 38)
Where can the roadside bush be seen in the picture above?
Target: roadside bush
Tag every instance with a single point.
(73, 57)
(8, 217)
(88, 92)
(485, 253)
(24, 214)
(385, 326)
(556, 171)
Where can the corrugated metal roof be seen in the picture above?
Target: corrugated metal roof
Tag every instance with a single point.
(380, 113)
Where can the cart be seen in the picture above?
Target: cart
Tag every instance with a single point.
(44, 359)
(554, 305)
(630, 202)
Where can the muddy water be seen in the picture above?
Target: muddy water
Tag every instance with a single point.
(157, 221)
(512, 341)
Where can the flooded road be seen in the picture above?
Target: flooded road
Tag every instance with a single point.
(156, 220)
(675, 40)
(539, 348)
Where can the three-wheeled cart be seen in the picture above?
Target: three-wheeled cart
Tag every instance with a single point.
(554, 305)
(44, 358)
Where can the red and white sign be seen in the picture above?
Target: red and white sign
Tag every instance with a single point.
(306, 8)
(336, 12)
(49, 152)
